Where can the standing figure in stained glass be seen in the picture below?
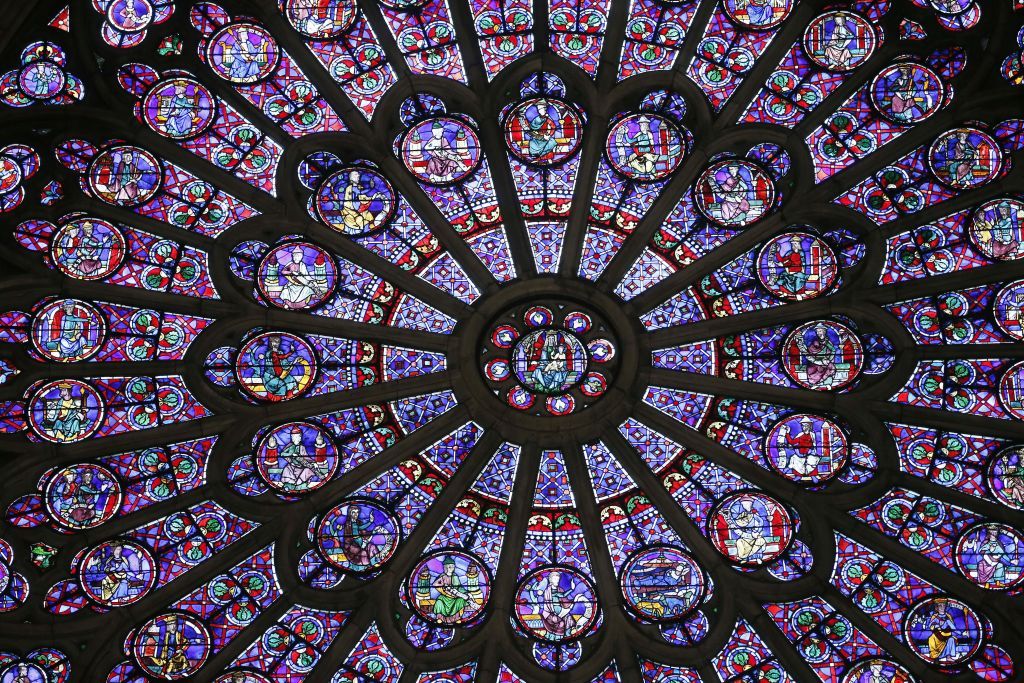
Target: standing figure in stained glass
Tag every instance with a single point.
(297, 285)
(121, 177)
(541, 130)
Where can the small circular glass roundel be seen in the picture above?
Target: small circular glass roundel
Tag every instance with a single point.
(358, 536)
(449, 587)
(662, 583)
(556, 604)
(549, 361)
(130, 16)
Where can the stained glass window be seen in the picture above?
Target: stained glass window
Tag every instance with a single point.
(512, 341)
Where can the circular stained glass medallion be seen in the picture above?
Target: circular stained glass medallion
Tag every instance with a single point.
(750, 529)
(734, 192)
(68, 330)
(297, 275)
(907, 93)
(543, 131)
(797, 266)
(441, 151)
(839, 40)
(276, 366)
(662, 583)
(449, 587)
(556, 604)
(645, 147)
(171, 646)
(243, 53)
(179, 108)
(823, 355)
(965, 158)
(356, 201)
(358, 536)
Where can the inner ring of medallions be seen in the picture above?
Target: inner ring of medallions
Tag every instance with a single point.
(564, 336)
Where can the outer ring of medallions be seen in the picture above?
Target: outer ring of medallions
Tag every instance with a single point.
(513, 425)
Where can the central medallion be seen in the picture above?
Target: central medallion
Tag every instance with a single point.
(549, 361)
(552, 359)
